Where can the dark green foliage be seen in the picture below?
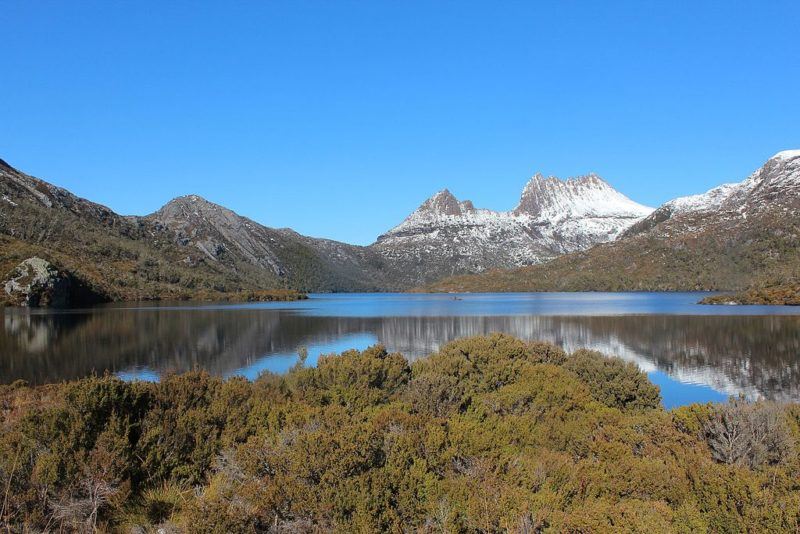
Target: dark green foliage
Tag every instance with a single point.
(448, 379)
(779, 286)
(353, 379)
(490, 434)
(614, 382)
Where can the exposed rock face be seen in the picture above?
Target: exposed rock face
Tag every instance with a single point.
(445, 236)
(16, 186)
(444, 203)
(37, 283)
(218, 231)
(229, 239)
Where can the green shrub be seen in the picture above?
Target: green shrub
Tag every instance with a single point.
(489, 434)
(614, 382)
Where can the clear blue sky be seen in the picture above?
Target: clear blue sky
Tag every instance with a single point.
(339, 118)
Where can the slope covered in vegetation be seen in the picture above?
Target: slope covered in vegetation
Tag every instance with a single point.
(490, 434)
(141, 258)
(780, 287)
(784, 294)
(129, 272)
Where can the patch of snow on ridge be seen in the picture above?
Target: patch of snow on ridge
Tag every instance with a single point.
(775, 182)
(787, 155)
(709, 200)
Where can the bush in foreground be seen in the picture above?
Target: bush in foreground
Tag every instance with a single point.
(490, 434)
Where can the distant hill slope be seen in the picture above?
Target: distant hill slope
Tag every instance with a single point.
(189, 248)
(445, 236)
(243, 245)
(732, 237)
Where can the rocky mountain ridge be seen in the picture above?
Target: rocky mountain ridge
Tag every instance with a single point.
(445, 236)
(773, 187)
(732, 237)
(575, 234)
(311, 264)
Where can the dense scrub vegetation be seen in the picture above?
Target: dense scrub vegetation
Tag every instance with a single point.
(490, 434)
(779, 295)
(143, 279)
(780, 287)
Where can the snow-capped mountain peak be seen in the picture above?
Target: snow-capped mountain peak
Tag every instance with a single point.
(446, 236)
(772, 189)
(583, 196)
(787, 155)
(778, 176)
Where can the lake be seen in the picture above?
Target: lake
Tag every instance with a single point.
(694, 353)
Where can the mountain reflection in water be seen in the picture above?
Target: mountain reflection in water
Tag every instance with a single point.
(755, 355)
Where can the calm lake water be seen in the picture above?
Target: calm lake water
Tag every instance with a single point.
(694, 353)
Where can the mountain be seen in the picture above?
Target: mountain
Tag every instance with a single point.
(242, 244)
(189, 248)
(736, 236)
(772, 189)
(192, 247)
(445, 236)
(116, 256)
(574, 234)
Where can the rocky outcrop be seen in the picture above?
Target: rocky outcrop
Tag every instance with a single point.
(37, 283)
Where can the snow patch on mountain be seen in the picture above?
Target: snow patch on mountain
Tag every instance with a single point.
(778, 175)
(544, 200)
(709, 200)
(787, 155)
